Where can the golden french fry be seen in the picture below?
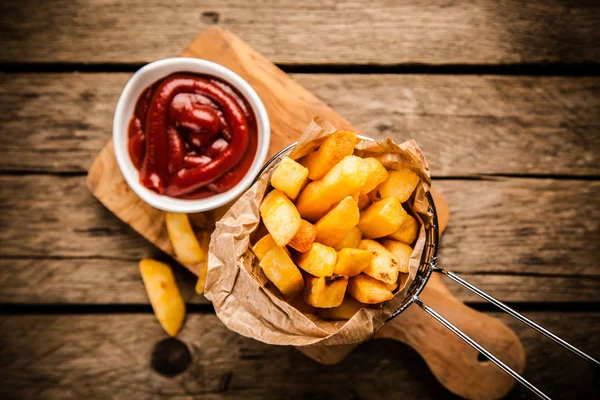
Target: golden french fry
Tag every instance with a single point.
(337, 222)
(326, 291)
(281, 270)
(399, 184)
(346, 310)
(186, 246)
(402, 251)
(351, 262)
(350, 240)
(363, 201)
(204, 240)
(280, 216)
(299, 303)
(318, 261)
(304, 238)
(376, 174)
(264, 245)
(345, 179)
(382, 218)
(164, 295)
(368, 290)
(289, 177)
(337, 146)
(408, 230)
(384, 265)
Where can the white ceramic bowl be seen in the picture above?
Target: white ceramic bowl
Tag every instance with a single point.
(155, 71)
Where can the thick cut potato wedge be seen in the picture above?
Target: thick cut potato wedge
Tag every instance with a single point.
(263, 246)
(363, 201)
(350, 240)
(337, 146)
(368, 290)
(289, 177)
(318, 261)
(281, 270)
(186, 246)
(407, 233)
(164, 295)
(204, 240)
(337, 222)
(280, 216)
(384, 266)
(326, 291)
(346, 310)
(351, 262)
(402, 251)
(345, 179)
(377, 174)
(382, 218)
(399, 184)
(304, 238)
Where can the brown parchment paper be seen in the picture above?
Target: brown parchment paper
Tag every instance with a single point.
(239, 290)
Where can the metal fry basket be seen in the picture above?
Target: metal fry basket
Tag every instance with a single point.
(428, 266)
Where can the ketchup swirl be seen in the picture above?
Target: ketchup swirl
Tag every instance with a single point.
(192, 136)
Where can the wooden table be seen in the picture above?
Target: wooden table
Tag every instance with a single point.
(503, 97)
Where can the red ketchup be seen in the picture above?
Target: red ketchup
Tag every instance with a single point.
(192, 136)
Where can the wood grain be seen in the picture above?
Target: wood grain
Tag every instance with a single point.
(293, 32)
(115, 281)
(537, 249)
(467, 125)
(103, 356)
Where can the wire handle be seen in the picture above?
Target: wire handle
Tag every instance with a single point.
(510, 311)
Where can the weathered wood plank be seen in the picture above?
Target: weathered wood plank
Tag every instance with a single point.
(466, 124)
(101, 281)
(103, 356)
(527, 226)
(293, 32)
(95, 281)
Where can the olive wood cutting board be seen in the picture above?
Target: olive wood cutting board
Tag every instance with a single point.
(291, 108)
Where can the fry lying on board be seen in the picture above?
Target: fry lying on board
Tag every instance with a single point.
(338, 237)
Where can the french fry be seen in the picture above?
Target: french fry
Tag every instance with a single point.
(363, 201)
(337, 222)
(186, 246)
(377, 174)
(304, 238)
(402, 251)
(350, 240)
(344, 311)
(351, 262)
(281, 270)
(318, 261)
(299, 304)
(263, 246)
(337, 146)
(399, 184)
(345, 179)
(204, 240)
(164, 295)
(289, 177)
(368, 290)
(326, 291)
(408, 230)
(384, 265)
(382, 218)
(280, 216)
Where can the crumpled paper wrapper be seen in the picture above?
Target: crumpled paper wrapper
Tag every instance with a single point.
(240, 292)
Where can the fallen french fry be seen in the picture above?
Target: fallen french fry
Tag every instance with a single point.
(164, 295)
(184, 241)
(202, 267)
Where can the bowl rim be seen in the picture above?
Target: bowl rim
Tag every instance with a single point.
(155, 71)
